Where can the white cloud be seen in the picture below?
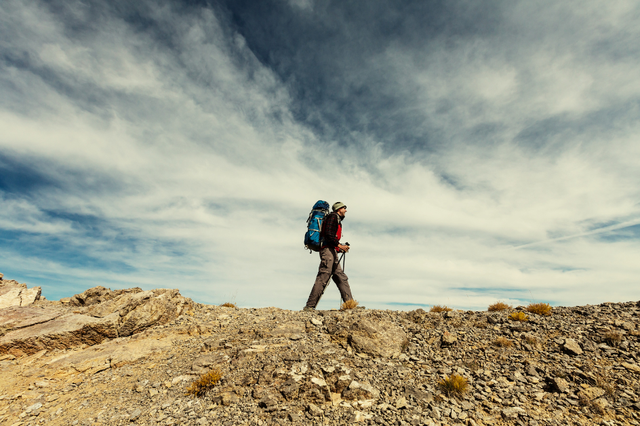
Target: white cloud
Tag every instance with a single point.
(20, 215)
(192, 156)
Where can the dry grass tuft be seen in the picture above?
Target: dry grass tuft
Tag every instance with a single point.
(499, 306)
(519, 316)
(606, 384)
(349, 304)
(539, 308)
(454, 385)
(584, 401)
(612, 338)
(228, 305)
(205, 383)
(502, 342)
(438, 308)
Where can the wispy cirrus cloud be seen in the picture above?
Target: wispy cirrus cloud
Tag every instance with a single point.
(484, 153)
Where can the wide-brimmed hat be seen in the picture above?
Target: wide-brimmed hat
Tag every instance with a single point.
(337, 206)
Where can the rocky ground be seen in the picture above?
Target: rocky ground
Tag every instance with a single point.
(128, 357)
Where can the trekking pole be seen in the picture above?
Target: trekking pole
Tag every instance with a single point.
(344, 261)
(343, 258)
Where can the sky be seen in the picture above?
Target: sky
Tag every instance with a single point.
(486, 150)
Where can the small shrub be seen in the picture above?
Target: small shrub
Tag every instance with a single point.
(519, 316)
(612, 338)
(539, 308)
(502, 342)
(349, 304)
(228, 305)
(499, 306)
(531, 340)
(583, 400)
(605, 383)
(204, 383)
(453, 385)
(438, 308)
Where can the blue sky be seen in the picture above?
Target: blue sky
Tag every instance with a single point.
(485, 150)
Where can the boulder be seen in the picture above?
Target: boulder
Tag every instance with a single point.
(12, 293)
(157, 307)
(139, 310)
(560, 384)
(377, 338)
(448, 339)
(99, 294)
(314, 410)
(601, 405)
(358, 390)
(572, 347)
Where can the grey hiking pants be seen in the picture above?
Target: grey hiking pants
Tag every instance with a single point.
(329, 263)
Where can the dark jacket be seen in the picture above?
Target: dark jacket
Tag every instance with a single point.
(331, 230)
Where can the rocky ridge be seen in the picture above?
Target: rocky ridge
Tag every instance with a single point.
(578, 366)
(12, 293)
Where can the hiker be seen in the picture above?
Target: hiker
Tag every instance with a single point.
(329, 262)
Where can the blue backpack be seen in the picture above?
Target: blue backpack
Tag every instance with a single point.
(312, 239)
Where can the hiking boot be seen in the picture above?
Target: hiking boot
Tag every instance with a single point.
(308, 309)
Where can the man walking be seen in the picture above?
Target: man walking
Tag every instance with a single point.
(329, 262)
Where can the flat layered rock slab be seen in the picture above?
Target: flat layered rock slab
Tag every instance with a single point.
(289, 329)
(16, 317)
(62, 332)
(112, 354)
